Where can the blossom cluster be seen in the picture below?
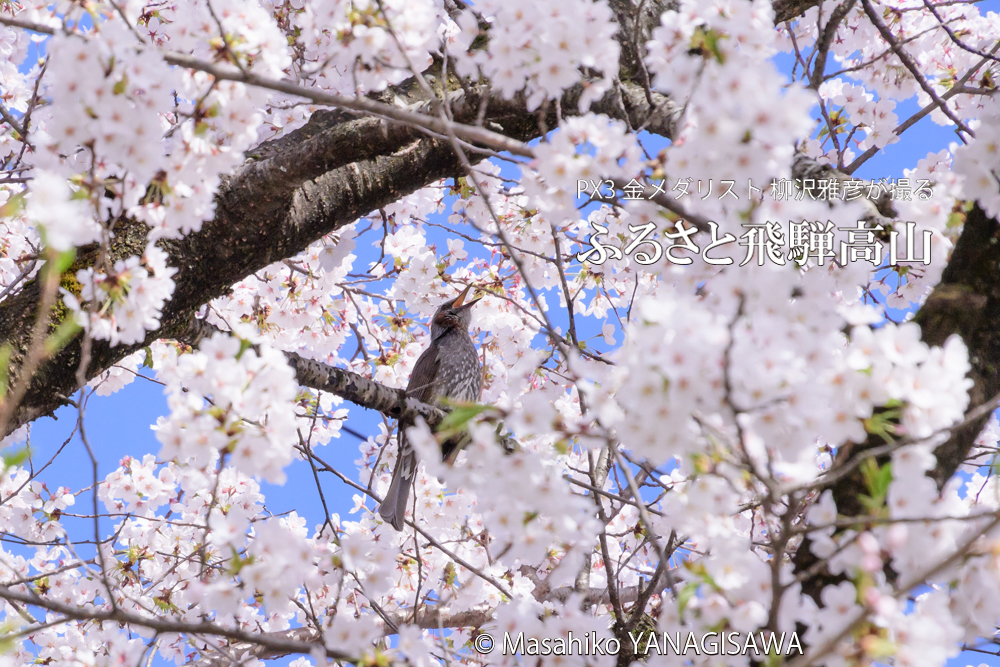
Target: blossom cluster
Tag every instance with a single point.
(657, 443)
(979, 162)
(706, 48)
(538, 52)
(120, 306)
(230, 399)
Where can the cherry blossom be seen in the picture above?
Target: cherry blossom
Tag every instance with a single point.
(257, 206)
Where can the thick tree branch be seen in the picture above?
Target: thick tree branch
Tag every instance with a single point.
(788, 10)
(470, 133)
(307, 185)
(319, 179)
(348, 385)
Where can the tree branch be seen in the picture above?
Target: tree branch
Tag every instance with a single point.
(311, 183)
(431, 619)
(272, 642)
(966, 303)
(348, 385)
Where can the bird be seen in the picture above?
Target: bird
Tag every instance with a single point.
(448, 369)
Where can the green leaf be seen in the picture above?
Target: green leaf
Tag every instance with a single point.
(64, 260)
(14, 458)
(62, 335)
(707, 43)
(13, 207)
(701, 462)
(244, 346)
(879, 648)
(869, 471)
(460, 416)
(8, 637)
(121, 85)
(877, 480)
(884, 478)
(684, 597)
(237, 562)
(883, 423)
(5, 351)
(148, 361)
(449, 575)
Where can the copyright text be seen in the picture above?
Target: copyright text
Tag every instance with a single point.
(645, 643)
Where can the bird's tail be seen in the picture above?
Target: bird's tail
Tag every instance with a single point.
(393, 507)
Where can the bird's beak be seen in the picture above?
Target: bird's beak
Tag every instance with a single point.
(460, 301)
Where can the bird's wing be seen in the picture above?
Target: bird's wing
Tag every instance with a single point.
(422, 378)
(421, 387)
